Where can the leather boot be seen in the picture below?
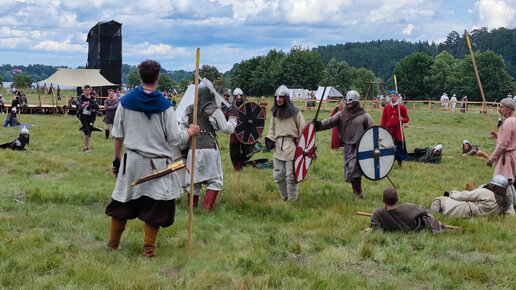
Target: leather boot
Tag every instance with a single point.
(237, 166)
(209, 199)
(149, 242)
(195, 200)
(357, 189)
(115, 233)
(106, 133)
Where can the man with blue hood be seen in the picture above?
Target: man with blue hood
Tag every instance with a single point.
(146, 125)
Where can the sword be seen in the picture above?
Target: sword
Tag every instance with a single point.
(171, 168)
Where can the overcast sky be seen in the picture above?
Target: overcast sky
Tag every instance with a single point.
(53, 32)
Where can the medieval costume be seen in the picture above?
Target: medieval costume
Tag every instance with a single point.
(335, 140)
(407, 218)
(427, 154)
(208, 165)
(110, 105)
(394, 115)
(351, 123)
(504, 155)
(87, 109)
(238, 151)
(11, 119)
(472, 150)
(491, 199)
(286, 125)
(146, 124)
(19, 143)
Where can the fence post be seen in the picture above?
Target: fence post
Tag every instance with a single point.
(413, 105)
(429, 106)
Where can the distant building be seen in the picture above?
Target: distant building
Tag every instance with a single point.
(16, 71)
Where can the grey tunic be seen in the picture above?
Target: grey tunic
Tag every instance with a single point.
(407, 217)
(350, 131)
(146, 140)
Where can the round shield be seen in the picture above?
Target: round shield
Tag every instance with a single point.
(376, 150)
(250, 123)
(305, 152)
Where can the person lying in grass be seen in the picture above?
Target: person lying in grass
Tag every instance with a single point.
(406, 217)
(490, 199)
(472, 150)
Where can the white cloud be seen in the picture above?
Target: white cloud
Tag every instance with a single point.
(11, 43)
(162, 50)
(50, 45)
(408, 29)
(494, 13)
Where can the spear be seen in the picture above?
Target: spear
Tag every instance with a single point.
(466, 35)
(194, 139)
(399, 112)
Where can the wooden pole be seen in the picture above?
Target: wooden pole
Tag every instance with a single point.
(478, 79)
(192, 166)
(399, 112)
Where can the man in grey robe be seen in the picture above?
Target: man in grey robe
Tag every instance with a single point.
(352, 122)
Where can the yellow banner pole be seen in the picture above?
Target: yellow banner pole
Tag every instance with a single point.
(192, 166)
(484, 105)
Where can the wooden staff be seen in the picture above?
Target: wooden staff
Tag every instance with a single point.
(192, 166)
(370, 215)
(399, 112)
(484, 105)
(37, 89)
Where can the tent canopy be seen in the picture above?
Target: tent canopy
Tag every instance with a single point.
(78, 78)
(330, 93)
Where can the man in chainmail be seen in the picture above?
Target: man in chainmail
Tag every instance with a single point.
(208, 165)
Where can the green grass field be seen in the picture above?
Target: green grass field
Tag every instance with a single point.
(53, 230)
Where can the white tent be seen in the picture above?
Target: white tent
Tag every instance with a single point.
(330, 93)
(78, 78)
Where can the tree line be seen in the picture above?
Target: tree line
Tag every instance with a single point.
(424, 70)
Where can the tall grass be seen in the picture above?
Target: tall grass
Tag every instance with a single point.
(53, 230)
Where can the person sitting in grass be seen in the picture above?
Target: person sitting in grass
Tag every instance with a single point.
(11, 119)
(472, 150)
(406, 217)
(427, 154)
(490, 199)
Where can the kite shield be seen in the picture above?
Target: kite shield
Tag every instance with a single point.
(250, 123)
(376, 153)
(305, 152)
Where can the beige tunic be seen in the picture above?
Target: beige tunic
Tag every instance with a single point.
(285, 133)
(466, 204)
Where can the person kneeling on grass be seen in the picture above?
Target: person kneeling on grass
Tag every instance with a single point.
(406, 217)
(490, 199)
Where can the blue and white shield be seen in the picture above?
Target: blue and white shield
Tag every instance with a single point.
(375, 154)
